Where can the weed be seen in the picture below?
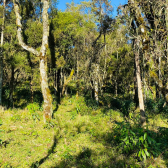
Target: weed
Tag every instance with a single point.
(15, 117)
(33, 108)
(49, 125)
(89, 138)
(67, 154)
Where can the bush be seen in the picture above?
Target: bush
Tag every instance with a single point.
(136, 140)
(156, 106)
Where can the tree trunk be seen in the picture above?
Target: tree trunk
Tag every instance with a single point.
(58, 86)
(96, 84)
(47, 107)
(135, 87)
(143, 77)
(159, 73)
(105, 57)
(166, 17)
(77, 73)
(61, 82)
(1, 53)
(1, 77)
(42, 54)
(12, 85)
(139, 83)
(116, 78)
(48, 110)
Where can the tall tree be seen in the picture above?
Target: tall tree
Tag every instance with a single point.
(102, 9)
(1, 51)
(138, 28)
(139, 83)
(41, 54)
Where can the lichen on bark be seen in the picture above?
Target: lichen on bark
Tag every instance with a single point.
(47, 107)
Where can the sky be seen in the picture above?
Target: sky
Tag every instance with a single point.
(115, 3)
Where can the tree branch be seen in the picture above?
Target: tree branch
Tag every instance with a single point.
(19, 30)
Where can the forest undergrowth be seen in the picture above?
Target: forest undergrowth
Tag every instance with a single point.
(81, 135)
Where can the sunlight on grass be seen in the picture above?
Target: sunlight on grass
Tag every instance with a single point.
(74, 139)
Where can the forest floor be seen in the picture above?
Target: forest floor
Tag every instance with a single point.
(80, 136)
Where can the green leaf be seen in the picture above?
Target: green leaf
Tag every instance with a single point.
(135, 142)
(149, 139)
(141, 139)
(143, 155)
(132, 132)
(139, 154)
(127, 142)
(146, 152)
(145, 135)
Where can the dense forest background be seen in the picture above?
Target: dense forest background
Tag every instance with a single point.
(105, 67)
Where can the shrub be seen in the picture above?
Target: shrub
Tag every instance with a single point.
(136, 140)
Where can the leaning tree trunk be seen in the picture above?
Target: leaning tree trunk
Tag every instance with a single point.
(1, 52)
(139, 83)
(42, 55)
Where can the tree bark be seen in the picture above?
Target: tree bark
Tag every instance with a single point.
(47, 107)
(96, 84)
(43, 65)
(139, 83)
(166, 17)
(1, 53)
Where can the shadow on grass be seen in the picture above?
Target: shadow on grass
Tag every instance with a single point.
(124, 135)
(84, 160)
(50, 151)
(110, 101)
(112, 141)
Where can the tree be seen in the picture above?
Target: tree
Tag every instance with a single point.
(102, 9)
(1, 51)
(138, 29)
(47, 107)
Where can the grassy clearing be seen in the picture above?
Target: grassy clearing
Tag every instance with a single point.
(79, 136)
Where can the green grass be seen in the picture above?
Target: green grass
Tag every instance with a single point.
(79, 136)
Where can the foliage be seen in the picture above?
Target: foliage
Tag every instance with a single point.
(94, 139)
(33, 108)
(134, 139)
(156, 106)
(100, 50)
